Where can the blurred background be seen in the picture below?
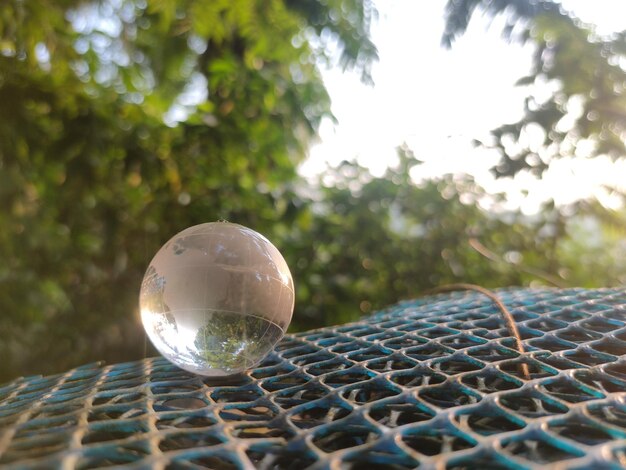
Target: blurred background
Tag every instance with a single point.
(384, 147)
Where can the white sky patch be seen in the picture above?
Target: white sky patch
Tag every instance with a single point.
(195, 93)
(438, 100)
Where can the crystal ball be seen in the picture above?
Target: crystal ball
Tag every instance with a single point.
(216, 298)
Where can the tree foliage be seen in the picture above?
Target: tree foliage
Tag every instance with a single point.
(577, 85)
(124, 121)
(372, 241)
(92, 180)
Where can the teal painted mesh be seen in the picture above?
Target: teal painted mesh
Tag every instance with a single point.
(433, 383)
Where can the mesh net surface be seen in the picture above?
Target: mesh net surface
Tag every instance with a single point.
(434, 383)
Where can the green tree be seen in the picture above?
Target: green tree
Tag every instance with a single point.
(124, 121)
(372, 241)
(92, 180)
(576, 86)
(574, 109)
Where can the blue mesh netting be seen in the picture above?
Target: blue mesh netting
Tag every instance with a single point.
(433, 382)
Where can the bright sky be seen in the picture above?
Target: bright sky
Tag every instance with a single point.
(438, 100)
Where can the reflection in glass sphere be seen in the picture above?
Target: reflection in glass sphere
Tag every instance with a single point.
(216, 298)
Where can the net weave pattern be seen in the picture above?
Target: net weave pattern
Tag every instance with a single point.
(433, 382)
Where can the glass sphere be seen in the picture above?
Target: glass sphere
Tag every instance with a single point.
(216, 298)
